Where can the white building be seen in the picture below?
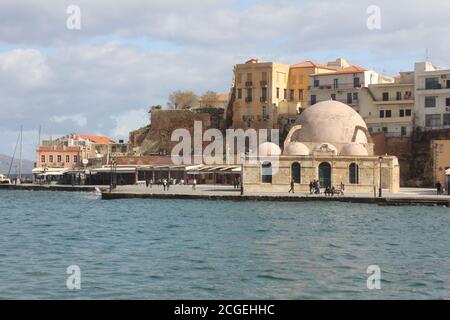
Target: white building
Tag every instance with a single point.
(432, 94)
(343, 85)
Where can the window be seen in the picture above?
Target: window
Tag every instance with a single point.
(336, 83)
(448, 84)
(239, 93)
(355, 96)
(432, 83)
(432, 120)
(296, 172)
(447, 102)
(385, 129)
(430, 102)
(333, 96)
(266, 172)
(285, 94)
(249, 77)
(75, 159)
(123, 149)
(388, 113)
(349, 98)
(399, 95)
(264, 111)
(408, 95)
(385, 96)
(43, 158)
(264, 94)
(408, 112)
(249, 94)
(313, 99)
(353, 173)
(316, 83)
(50, 158)
(447, 119)
(58, 158)
(239, 78)
(291, 95)
(403, 131)
(264, 76)
(67, 159)
(300, 94)
(356, 82)
(401, 112)
(381, 113)
(278, 93)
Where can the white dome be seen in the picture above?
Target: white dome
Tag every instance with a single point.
(269, 149)
(296, 149)
(354, 149)
(326, 147)
(333, 122)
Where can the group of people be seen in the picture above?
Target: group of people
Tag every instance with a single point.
(439, 189)
(314, 187)
(166, 183)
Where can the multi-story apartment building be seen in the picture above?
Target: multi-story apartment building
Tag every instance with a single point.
(260, 87)
(432, 105)
(53, 156)
(344, 84)
(389, 107)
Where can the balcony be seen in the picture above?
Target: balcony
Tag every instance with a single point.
(263, 99)
(248, 99)
(249, 84)
(263, 83)
(340, 86)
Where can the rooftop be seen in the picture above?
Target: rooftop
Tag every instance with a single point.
(311, 64)
(347, 70)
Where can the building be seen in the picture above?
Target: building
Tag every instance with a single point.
(344, 84)
(259, 89)
(440, 150)
(298, 91)
(329, 142)
(432, 96)
(70, 153)
(389, 107)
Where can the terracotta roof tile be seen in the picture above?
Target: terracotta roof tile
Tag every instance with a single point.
(95, 139)
(311, 64)
(350, 69)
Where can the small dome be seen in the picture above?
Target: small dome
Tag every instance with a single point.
(331, 121)
(269, 149)
(296, 149)
(326, 148)
(354, 149)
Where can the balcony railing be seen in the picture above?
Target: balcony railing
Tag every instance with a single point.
(339, 86)
(263, 83)
(248, 99)
(437, 86)
(248, 83)
(263, 99)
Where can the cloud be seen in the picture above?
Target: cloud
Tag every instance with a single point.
(131, 54)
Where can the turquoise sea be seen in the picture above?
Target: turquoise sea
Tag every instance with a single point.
(189, 249)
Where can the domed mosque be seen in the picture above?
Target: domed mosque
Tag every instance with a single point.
(328, 142)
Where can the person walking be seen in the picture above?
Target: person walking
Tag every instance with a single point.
(146, 183)
(292, 186)
(342, 188)
(151, 182)
(194, 184)
(438, 187)
(164, 184)
(168, 184)
(311, 187)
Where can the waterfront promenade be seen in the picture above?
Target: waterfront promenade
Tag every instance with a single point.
(406, 196)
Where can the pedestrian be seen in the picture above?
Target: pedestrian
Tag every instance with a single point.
(342, 188)
(311, 187)
(146, 183)
(194, 184)
(164, 183)
(151, 182)
(168, 184)
(292, 187)
(438, 187)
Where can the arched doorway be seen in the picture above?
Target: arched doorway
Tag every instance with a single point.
(296, 172)
(325, 174)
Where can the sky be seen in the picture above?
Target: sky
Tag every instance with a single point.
(127, 56)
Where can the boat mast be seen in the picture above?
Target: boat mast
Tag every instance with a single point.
(21, 145)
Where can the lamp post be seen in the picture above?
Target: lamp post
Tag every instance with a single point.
(242, 173)
(111, 184)
(380, 160)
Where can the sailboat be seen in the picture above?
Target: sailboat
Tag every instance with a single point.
(19, 142)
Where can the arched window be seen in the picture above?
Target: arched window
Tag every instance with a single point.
(296, 172)
(353, 173)
(266, 172)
